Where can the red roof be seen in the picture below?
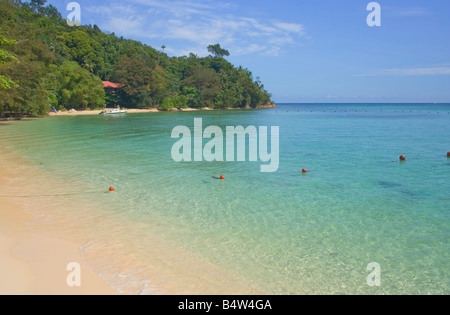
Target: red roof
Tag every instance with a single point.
(110, 85)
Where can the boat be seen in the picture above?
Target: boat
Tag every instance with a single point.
(113, 111)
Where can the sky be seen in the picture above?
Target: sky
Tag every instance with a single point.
(302, 50)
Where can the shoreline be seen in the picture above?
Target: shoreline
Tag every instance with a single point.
(131, 111)
(97, 112)
(150, 110)
(41, 235)
(35, 262)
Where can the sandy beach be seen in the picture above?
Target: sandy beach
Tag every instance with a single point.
(34, 262)
(140, 111)
(40, 235)
(97, 112)
(129, 111)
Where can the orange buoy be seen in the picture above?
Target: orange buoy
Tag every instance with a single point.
(222, 177)
(304, 170)
(402, 158)
(111, 188)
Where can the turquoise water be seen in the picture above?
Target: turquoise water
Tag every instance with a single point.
(283, 232)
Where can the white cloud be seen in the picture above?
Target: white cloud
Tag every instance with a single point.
(273, 51)
(129, 26)
(291, 27)
(413, 12)
(420, 71)
(397, 11)
(193, 24)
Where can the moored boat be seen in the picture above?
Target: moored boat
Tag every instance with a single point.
(113, 111)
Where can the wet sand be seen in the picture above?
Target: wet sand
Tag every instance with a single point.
(33, 262)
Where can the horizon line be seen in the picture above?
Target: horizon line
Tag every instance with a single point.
(432, 103)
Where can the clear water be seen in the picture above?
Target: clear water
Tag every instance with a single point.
(281, 233)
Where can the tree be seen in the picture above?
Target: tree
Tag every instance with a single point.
(79, 89)
(51, 12)
(179, 101)
(37, 5)
(84, 50)
(193, 96)
(31, 96)
(5, 56)
(217, 51)
(207, 81)
(143, 86)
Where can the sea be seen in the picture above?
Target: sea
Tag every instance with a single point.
(359, 221)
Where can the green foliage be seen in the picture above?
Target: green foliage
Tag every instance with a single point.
(50, 64)
(194, 97)
(84, 50)
(217, 51)
(143, 86)
(30, 97)
(180, 101)
(51, 12)
(78, 88)
(31, 71)
(112, 99)
(5, 56)
(205, 80)
(37, 4)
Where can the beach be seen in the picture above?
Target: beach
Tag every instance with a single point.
(97, 112)
(129, 111)
(142, 111)
(32, 261)
(41, 233)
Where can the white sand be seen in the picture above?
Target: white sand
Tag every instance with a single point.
(32, 262)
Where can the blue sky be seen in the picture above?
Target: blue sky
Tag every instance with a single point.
(303, 50)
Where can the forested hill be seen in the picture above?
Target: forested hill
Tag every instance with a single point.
(45, 64)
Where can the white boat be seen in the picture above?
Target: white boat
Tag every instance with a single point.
(113, 111)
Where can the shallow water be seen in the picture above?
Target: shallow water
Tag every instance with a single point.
(278, 233)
